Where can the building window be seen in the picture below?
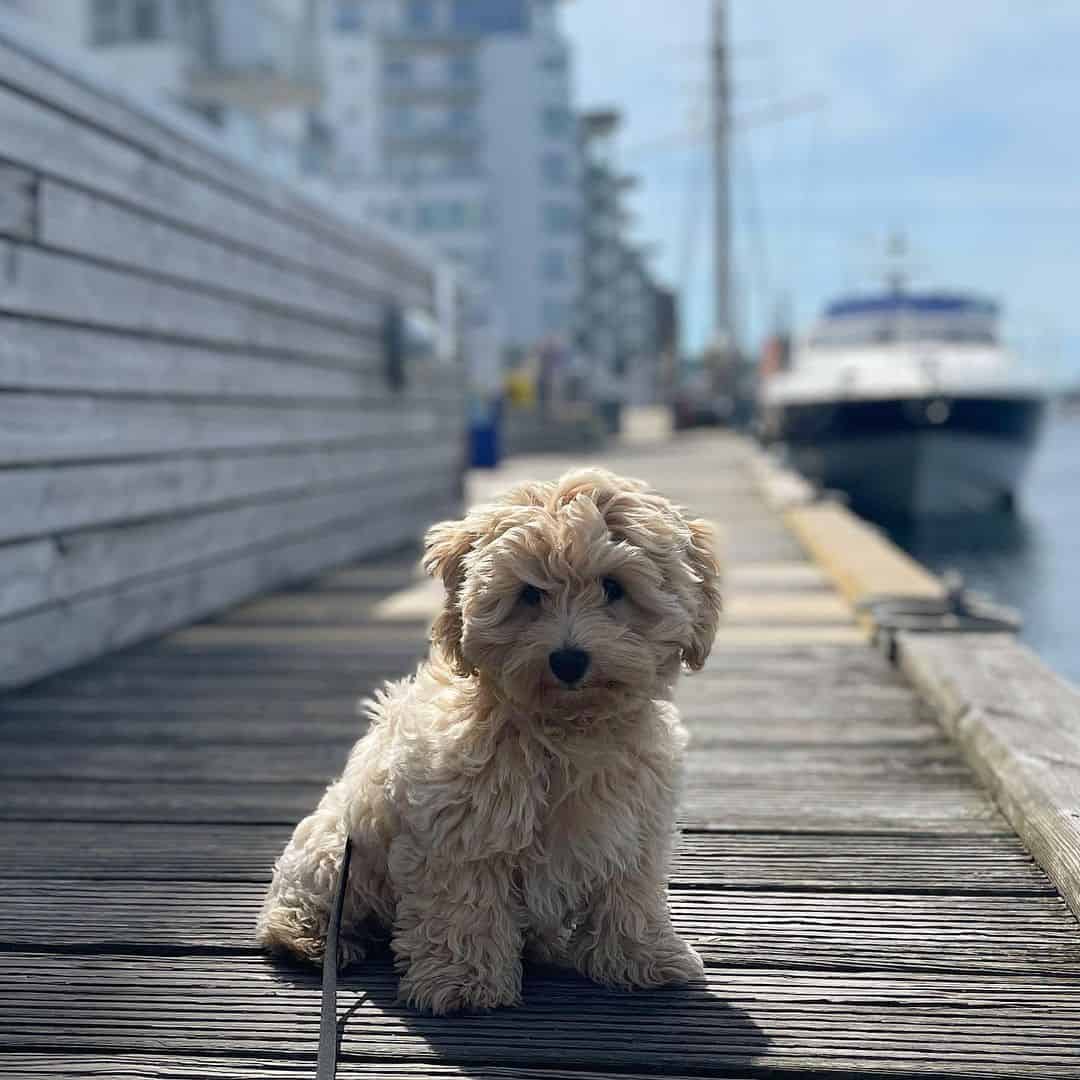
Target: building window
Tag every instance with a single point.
(420, 15)
(461, 68)
(557, 121)
(557, 316)
(490, 16)
(115, 21)
(450, 215)
(145, 20)
(461, 120)
(555, 63)
(402, 119)
(398, 70)
(555, 168)
(349, 17)
(553, 266)
(560, 218)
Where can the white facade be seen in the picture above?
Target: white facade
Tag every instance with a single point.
(453, 120)
(250, 68)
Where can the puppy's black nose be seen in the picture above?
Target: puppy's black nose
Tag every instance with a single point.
(569, 664)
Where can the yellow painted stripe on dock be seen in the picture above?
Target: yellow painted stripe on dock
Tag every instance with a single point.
(859, 559)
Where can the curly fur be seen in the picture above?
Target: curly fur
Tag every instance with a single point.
(495, 811)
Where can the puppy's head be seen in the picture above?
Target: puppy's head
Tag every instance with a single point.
(572, 596)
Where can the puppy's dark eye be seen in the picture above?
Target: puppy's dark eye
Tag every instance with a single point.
(612, 590)
(531, 596)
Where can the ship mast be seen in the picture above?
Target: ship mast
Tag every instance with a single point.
(724, 313)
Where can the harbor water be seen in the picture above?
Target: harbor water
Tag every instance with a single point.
(1029, 559)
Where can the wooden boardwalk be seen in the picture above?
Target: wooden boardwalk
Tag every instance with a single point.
(863, 908)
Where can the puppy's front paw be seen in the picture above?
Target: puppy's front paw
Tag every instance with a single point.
(453, 990)
(634, 965)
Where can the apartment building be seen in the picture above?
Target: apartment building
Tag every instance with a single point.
(454, 120)
(252, 69)
(627, 323)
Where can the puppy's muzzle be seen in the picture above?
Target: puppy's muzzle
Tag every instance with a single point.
(569, 665)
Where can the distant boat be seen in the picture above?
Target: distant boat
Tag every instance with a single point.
(907, 402)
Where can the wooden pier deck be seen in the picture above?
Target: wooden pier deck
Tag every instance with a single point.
(863, 908)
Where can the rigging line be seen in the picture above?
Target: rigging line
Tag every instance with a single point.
(691, 226)
(759, 258)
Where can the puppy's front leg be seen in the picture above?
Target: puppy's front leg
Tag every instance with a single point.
(457, 935)
(626, 939)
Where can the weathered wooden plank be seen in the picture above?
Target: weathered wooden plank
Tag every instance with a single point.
(1018, 725)
(832, 931)
(77, 222)
(806, 665)
(870, 806)
(45, 284)
(792, 576)
(780, 608)
(18, 202)
(39, 428)
(866, 864)
(63, 498)
(807, 804)
(812, 767)
(269, 708)
(875, 1022)
(46, 356)
(43, 572)
(116, 1065)
(34, 644)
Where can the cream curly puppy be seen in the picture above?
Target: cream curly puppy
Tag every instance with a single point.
(517, 795)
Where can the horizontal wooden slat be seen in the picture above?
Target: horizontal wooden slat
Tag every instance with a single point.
(44, 572)
(44, 501)
(729, 928)
(38, 428)
(125, 1066)
(804, 767)
(766, 1018)
(873, 806)
(75, 221)
(18, 203)
(46, 356)
(45, 284)
(34, 644)
(986, 865)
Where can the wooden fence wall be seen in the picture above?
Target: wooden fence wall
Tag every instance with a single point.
(195, 402)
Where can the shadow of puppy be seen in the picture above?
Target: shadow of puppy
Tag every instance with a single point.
(564, 1020)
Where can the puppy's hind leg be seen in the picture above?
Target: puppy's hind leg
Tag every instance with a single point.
(296, 910)
(626, 939)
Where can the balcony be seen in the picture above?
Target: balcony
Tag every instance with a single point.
(397, 92)
(254, 58)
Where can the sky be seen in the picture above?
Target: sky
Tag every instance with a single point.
(953, 122)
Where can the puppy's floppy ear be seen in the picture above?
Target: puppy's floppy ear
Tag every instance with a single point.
(445, 548)
(703, 560)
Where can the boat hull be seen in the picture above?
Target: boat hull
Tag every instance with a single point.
(916, 456)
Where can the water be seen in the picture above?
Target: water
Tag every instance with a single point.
(1029, 560)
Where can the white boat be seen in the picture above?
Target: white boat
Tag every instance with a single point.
(907, 402)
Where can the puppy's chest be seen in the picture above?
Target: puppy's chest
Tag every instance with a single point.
(587, 834)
